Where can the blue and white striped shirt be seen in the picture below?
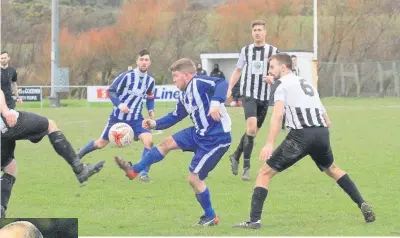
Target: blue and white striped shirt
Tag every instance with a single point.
(130, 88)
(201, 93)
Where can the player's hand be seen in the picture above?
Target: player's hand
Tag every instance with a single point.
(149, 124)
(152, 115)
(11, 118)
(266, 152)
(269, 79)
(328, 123)
(229, 94)
(19, 100)
(214, 113)
(124, 108)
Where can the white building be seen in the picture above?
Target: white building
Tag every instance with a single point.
(227, 62)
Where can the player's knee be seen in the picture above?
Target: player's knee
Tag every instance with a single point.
(11, 168)
(166, 145)
(100, 143)
(266, 171)
(252, 131)
(52, 126)
(334, 172)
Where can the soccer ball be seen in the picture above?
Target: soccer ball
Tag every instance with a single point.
(120, 135)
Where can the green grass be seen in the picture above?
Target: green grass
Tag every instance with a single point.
(302, 201)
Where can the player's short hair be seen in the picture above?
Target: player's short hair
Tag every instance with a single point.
(4, 52)
(26, 229)
(293, 56)
(183, 65)
(282, 58)
(143, 53)
(258, 23)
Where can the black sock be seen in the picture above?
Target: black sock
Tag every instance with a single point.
(65, 150)
(7, 182)
(350, 188)
(248, 144)
(257, 203)
(239, 149)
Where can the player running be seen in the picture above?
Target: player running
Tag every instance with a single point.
(127, 93)
(309, 135)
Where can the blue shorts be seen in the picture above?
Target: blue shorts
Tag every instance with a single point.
(208, 150)
(136, 126)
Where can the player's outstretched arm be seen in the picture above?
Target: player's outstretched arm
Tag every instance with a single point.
(171, 118)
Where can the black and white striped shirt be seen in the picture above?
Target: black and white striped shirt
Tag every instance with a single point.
(303, 107)
(253, 60)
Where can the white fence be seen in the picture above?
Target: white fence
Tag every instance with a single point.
(360, 79)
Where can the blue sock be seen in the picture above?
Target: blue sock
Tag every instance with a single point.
(147, 168)
(87, 149)
(205, 201)
(151, 157)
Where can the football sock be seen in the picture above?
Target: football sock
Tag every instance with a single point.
(204, 199)
(350, 188)
(239, 150)
(151, 157)
(257, 203)
(147, 168)
(87, 149)
(7, 182)
(248, 144)
(63, 148)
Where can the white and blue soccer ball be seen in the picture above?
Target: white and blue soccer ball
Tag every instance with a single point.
(120, 135)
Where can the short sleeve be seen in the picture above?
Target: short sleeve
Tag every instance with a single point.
(279, 94)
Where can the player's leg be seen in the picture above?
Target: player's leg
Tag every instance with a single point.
(100, 142)
(247, 139)
(322, 155)
(254, 123)
(204, 161)
(64, 148)
(147, 139)
(291, 150)
(181, 139)
(33, 127)
(9, 169)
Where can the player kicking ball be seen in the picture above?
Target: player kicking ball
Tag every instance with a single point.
(309, 135)
(202, 99)
(127, 93)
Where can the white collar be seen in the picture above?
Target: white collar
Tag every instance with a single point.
(3, 67)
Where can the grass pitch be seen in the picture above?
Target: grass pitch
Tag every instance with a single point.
(301, 201)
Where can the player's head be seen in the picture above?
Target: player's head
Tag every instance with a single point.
(279, 65)
(20, 229)
(199, 66)
(182, 71)
(294, 60)
(143, 61)
(4, 58)
(258, 31)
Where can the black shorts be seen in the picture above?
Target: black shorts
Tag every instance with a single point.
(30, 126)
(312, 141)
(255, 108)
